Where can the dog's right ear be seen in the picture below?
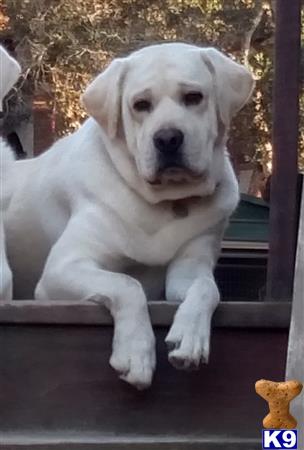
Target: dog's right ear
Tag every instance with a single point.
(102, 98)
(9, 73)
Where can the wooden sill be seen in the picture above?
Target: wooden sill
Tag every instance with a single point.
(228, 314)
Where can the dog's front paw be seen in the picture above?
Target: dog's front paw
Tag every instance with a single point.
(133, 355)
(188, 340)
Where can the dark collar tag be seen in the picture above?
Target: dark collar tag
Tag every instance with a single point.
(180, 208)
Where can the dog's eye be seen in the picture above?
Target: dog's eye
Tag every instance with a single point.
(192, 98)
(142, 105)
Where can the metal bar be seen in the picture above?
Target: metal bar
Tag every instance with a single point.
(283, 211)
(228, 314)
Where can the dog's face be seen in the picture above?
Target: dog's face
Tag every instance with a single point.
(169, 114)
(172, 103)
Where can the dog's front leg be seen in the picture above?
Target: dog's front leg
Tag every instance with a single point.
(77, 270)
(190, 280)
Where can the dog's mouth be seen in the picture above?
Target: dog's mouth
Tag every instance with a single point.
(177, 175)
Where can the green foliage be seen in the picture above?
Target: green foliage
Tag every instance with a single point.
(70, 41)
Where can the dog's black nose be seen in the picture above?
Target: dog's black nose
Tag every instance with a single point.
(168, 140)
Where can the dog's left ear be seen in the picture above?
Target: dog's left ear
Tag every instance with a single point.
(9, 73)
(102, 98)
(233, 82)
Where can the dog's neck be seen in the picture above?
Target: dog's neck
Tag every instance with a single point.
(181, 208)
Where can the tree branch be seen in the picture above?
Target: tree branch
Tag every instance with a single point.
(248, 37)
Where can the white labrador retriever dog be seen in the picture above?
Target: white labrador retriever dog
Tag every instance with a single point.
(9, 74)
(144, 188)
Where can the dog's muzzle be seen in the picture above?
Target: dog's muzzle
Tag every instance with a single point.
(168, 143)
(171, 167)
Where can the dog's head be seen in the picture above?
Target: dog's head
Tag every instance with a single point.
(172, 104)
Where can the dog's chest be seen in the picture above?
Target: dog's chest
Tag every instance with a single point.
(160, 231)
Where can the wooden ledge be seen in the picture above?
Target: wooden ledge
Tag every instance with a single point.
(228, 314)
(128, 443)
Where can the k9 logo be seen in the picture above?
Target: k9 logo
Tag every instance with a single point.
(280, 439)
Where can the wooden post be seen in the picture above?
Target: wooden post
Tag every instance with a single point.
(295, 356)
(284, 207)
